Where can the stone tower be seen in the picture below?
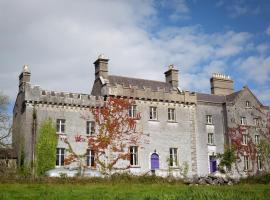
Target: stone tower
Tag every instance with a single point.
(101, 67)
(172, 76)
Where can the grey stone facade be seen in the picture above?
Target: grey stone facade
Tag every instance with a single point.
(188, 133)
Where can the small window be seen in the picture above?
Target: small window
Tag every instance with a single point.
(247, 104)
(257, 139)
(209, 119)
(244, 138)
(90, 158)
(60, 156)
(133, 155)
(132, 111)
(210, 138)
(90, 127)
(243, 121)
(259, 162)
(171, 114)
(153, 113)
(246, 163)
(256, 122)
(60, 125)
(173, 157)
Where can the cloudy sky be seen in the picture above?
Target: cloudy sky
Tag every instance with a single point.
(60, 40)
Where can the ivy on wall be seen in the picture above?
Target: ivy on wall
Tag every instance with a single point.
(46, 147)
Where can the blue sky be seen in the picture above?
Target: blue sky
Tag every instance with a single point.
(60, 40)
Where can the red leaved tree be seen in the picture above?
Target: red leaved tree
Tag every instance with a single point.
(115, 131)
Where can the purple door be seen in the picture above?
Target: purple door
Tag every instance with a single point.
(154, 161)
(213, 164)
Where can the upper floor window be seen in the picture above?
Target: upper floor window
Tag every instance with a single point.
(210, 138)
(132, 111)
(173, 157)
(60, 125)
(133, 155)
(153, 113)
(171, 114)
(246, 163)
(247, 104)
(209, 119)
(90, 127)
(244, 138)
(256, 121)
(90, 158)
(60, 156)
(257, 139)
(243, 121)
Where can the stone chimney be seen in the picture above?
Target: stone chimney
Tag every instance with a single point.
(221, 84)
(172, 76)
(101, 67)
(24, 78)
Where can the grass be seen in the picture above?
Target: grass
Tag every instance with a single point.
(113, 190)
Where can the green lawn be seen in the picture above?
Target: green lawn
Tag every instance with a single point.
(132, 191)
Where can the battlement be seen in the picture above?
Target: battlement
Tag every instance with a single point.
(37, 95)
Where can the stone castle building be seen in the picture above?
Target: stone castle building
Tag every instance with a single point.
(186, 129)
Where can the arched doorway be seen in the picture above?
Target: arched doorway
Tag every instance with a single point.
(154, 161)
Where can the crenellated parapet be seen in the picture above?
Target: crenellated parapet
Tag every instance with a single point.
(147, 93)
(35, 94)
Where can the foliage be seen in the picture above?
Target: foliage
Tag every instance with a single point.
(45, 147)
(264, 151)
(257, 179)
(227, 158)
(115, 132)
(132, 191)
(5, 126)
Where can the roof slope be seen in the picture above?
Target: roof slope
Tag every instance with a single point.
(139, 83)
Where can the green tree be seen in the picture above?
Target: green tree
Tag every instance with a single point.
(227, 158)
(46, 147)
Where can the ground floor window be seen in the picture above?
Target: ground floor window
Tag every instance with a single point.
(90, 158)
(173, 157)
(133, 155)
(246, 163)
(259, 163)
(60, 156)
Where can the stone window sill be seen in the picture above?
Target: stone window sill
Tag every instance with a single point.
(153, 120)
(210, 144)
(135, 166)
(172, 121)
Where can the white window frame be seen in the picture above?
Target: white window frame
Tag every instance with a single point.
(132, 111)
(90, 158)
(171, 114)
(210, 138)
(209, 119)
(245, 138)
(90, 127)
(153, 114)
(257, 139)
(247, 104)
(259, 162)
(173, 158)
(60, 125)
(243, 121)
(61, 157)
(246, 163)
(133, 155)
(256, 121)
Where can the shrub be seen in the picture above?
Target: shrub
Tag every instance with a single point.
(46, 147)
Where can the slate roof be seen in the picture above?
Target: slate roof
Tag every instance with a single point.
(210, 98)
(139, 83)
(231, 97)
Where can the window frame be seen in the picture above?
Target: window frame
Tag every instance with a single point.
(173, 157)
(244, 138)
(90, 158)
(257, 139)
(246, 163)
(243, 121)
(171, 115)
(60, 126)
(209, 119)
(212, 142)
(153, 113)
(133, 150)
(60, 157)
(259, 163)
(132, 111)
(90, 127)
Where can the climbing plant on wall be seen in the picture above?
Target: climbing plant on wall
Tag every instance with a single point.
(46, 147)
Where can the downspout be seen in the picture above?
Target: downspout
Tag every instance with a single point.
(33, 142)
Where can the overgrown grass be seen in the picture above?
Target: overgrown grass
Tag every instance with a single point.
(132, 191)
(260, 179)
